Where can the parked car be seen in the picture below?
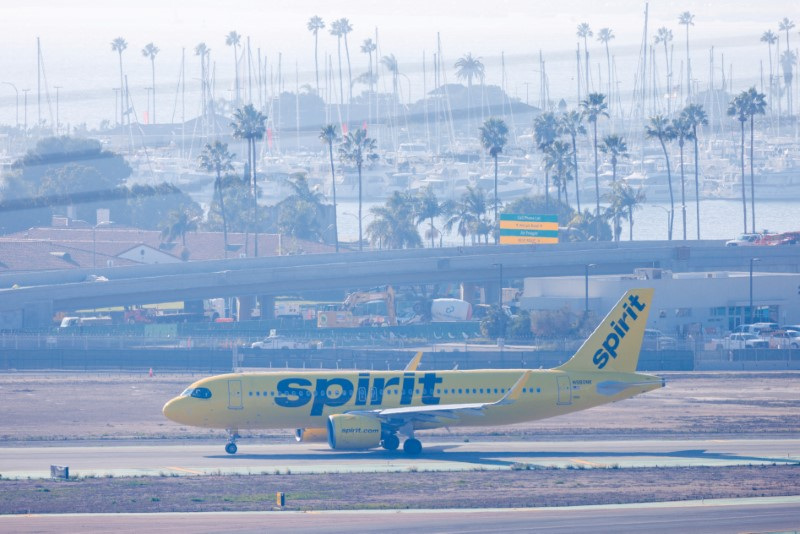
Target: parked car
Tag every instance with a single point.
(281, 342)
(745, 240)
(784, 339)
(759, 329)
(738, 340)
(656, 340)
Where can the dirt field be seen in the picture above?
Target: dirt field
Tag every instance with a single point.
(128, 406)
(54, 407)
(465, 489)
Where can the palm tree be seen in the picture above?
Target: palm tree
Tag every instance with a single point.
(788, 59)
(756, 105)
(150, 51)
(545, 132)
(571, 124)
(660, 128)
(770, 38)
(232, 40)
(604, 36)
(682, 133)
(393, 223)
(202, 51)
(493, 136)
(585, 32)
(216, 158)
(469, 67)
(428, 208)
(119, 45)
(616, 147)
(558, 160)
(315, 24)
(474, 200)
(738, 108)
(328, 136)
(180, 223)
(390, 63)
(664, 36)
(344, 29)
(593, 108)
(625, 200)
(368, 47)
(687, 19)
(695, 116)
(462, 215)
(250, 125)
(358, 148)
(336, 31)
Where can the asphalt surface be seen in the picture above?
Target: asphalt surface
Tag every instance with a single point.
(155, 458)
(780, 514)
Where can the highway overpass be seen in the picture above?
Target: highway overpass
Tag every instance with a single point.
(30, 299)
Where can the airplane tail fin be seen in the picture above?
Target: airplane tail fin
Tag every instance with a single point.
(615, 344)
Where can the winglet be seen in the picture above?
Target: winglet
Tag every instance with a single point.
(414, 363)
(514, 392)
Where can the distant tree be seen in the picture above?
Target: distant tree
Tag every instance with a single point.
(180, 223)
(558, 161)
(695, 116)
(468, 68)
(149, 207)
(329, 136)
(495, 324)
(150, 51)
(337, 31)
(624, 200)
(584, 32)
(393, 224)
(687, 19)
(584, 227)
(232, 40)
(493, 136)
(755, 104)
(315, 24)
(429, 207)
(571, 124)
(604, 36)
(217, 159)
(664, 36)
(616, 148)
(357, 149)
(203, 52)
(683, 133)
(770, 38)
(661, 129)
(119, 45)
(250, 125)
(344, 28)
(238, 202)
(545, 132)
(593, 108)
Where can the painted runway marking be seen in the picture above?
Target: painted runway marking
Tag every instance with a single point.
(186, 470)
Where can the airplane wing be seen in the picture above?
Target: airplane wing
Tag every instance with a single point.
(441, 414)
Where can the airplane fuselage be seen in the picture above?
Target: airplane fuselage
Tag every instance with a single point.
(306, 399)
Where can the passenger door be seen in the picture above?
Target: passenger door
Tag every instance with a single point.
(235, 395)
(564, 389)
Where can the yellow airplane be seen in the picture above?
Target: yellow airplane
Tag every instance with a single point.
(367, 409)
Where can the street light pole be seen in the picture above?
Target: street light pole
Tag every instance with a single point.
(586, 287)
(752, 260)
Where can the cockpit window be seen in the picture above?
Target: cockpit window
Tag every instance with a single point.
(200, 393)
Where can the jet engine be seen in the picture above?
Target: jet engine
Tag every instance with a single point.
(347, 431)
(311, 435)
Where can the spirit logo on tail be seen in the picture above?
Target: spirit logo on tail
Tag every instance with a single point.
(619, 328)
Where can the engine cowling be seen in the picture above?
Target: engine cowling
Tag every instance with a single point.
(311, 435)
(347, 431)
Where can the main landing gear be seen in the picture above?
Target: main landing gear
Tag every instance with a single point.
(231, 447)
(391, 442)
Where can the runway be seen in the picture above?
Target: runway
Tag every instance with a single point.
(736, 515)
(158, 458)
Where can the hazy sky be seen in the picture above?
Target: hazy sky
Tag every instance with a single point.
(76, 36)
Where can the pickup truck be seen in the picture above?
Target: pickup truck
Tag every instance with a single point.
(281, 342)
(738, 340)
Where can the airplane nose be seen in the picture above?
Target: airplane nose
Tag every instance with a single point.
(172, 410)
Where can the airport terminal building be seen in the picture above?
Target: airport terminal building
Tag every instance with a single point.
(704, 303)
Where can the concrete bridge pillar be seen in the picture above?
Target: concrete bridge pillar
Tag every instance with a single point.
(37, 314)
(266, 304)
(244, 307)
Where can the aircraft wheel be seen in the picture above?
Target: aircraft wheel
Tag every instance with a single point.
(391, 442)
(231, 448)
(412, 446)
